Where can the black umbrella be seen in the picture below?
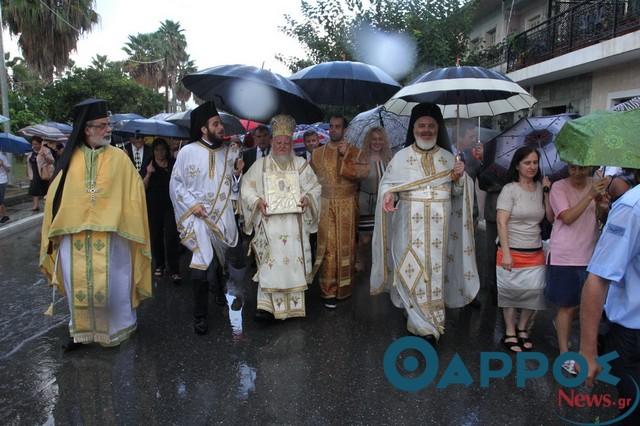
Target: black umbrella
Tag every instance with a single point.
(537, 132)
(233, 88)
(346, 83)
(231, 123)
(149, 127)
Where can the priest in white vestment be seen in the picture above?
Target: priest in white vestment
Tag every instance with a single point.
(203, 183)
(423, 244)
(281, 204)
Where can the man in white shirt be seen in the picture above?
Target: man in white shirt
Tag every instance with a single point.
(262, 138)
(311, 142)
(139, 153)
(5, 169)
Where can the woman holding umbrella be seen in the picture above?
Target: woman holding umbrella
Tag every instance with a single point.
(377, 152)
(520, 263)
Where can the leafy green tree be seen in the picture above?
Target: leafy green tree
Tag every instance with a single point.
(328, 29)
(121, 91)
(48, 30)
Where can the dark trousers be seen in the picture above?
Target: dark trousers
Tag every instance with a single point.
(201, 281)
(627, 342)
(313, 242)
(164, 236)
(491, 248)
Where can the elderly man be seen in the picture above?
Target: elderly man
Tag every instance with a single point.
(262, 138)
(338, 168)
(95, 236)
(614, 283)
(281, 203)
(423, 247)
(203, 183)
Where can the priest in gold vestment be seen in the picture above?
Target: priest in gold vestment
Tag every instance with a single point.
(423, 244)
(338, 167)
(95, 236)
(281, 205)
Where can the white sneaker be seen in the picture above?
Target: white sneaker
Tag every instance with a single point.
(570, 367)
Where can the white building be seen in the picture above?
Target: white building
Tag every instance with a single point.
(573, 56)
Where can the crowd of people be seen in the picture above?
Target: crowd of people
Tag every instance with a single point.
(112, 214)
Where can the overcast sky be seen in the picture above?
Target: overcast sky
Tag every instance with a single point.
(218, 31)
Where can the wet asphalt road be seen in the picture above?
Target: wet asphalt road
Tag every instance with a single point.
(325, 369)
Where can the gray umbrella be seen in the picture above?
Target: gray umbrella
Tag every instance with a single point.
(537, 132)
(394, 125)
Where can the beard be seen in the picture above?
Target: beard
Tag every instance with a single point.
(213, 138)
(99, 142)
(282, 160)
(426, 144)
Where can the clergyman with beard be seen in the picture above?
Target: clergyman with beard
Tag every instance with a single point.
(423, 246)
(95, 236)
(204, 181)
(281, 238)
(338, 167)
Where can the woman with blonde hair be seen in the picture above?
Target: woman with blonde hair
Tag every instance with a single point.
(377, 151)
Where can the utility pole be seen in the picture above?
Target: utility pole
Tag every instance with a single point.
(4, 86)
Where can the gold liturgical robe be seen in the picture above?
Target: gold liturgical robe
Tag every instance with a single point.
(338, 176)
(96, 249)
(281, 241)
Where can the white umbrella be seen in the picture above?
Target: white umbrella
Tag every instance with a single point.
(45, 132)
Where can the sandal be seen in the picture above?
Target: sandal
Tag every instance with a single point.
(511, 345)
(524, 340)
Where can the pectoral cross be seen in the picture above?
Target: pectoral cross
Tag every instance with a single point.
(92, 191)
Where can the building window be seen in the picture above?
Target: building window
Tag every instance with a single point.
(532, 22)
(490, 37)
(475, 43)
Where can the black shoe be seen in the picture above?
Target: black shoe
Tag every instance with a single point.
(71, 345)
(200, 326)
(431, 339)
(4, 219)
(263, 316)
(331, 303)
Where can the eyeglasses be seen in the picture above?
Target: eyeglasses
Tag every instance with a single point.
(99, 126)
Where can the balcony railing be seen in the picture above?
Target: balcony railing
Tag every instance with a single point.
(584, 24)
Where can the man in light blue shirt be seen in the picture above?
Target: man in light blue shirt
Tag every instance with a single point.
(615, 266)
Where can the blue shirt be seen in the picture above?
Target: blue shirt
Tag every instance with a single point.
(617, 258)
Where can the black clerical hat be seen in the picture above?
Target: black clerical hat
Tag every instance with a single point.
(427, 109)
(199, 117)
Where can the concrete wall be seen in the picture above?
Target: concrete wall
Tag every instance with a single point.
(575, 91)
(615, 82)
(481, 27)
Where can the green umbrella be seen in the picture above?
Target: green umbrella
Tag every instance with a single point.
(602, 138)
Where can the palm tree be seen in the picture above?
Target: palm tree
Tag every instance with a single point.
(144, 64)
(173, 47)
(182, 94)
(48, 30)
